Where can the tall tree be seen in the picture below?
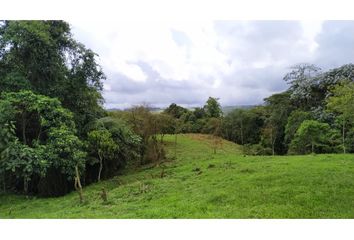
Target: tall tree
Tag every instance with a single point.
(310, 136)
(43, 56)
(175, 110)
(278, 107)
(213, 108)
(301, 78)
(243, 126)
(342, 103)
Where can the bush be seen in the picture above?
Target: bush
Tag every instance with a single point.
(113, 139)
(38, 137)
(256, 149)
(311, 137)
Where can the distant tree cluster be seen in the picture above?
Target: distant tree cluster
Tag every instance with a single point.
(315, 115)
(198, 120)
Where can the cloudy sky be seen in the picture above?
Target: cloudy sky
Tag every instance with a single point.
(240, 62)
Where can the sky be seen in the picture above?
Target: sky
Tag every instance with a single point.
(239, 62)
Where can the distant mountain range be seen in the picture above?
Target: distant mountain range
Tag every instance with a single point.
(227, 109)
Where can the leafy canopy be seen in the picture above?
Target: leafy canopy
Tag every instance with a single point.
(38, 134)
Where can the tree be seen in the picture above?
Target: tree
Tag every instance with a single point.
(294, 121)
(38, 139)
(145, 124)
(310, 87)
(128, 142)
(212, 108)
(301, 79)
(199, 113)
(175, 111)
(311, 135)
(243, 126)
(342, 103)
(101, 142)
(277, 109)
(43, 57)
(166, 124)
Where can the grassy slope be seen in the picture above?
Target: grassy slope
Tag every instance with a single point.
(229, 186)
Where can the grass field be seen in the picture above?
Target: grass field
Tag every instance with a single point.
(200, 184)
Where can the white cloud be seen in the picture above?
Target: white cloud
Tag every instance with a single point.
(185, 62)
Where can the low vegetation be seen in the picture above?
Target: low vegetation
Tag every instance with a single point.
(200, 184)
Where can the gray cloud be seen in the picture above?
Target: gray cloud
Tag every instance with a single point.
(249, 61)
(336, 44)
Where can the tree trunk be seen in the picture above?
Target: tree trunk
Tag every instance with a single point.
(100, 169)
(25, 185)
(312, 147)
(77, 185)
(273, 152)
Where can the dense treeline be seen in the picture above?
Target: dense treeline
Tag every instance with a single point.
(315, 115)
(55, 135)
(54, 131)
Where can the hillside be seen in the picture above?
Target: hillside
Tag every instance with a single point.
(200, 184)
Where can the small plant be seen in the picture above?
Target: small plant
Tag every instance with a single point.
(143, 188)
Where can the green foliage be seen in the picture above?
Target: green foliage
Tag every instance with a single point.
(311, 137)
(38, 135)
(213, 126)
(64, 151)
(256, 149)
(199, 113)
(166, 123)
(230, 185)
(116, 143)
(175, 111)
(294, 121)
(43, 57)
(23, 161)
(212, 108)
(148, 126)
(102, 144)
(123, 136)
(341, 103)
(243, 126)
(277, 109)
(342, 100)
